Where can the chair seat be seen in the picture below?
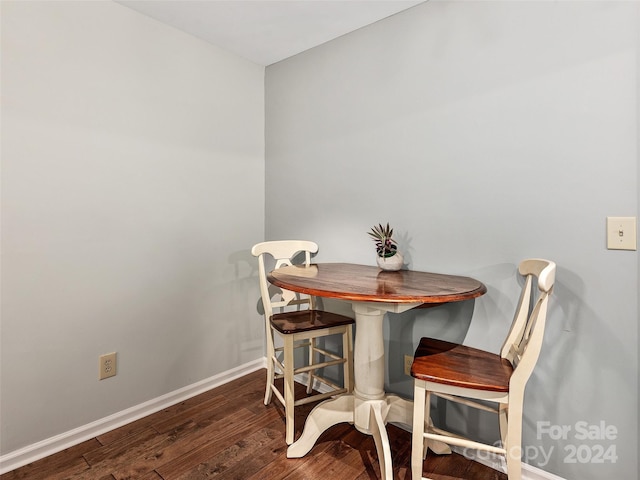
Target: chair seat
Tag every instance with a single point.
(307, 320)
(449, 363)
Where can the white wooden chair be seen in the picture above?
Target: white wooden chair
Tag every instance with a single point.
(299, 324)
(460, 373)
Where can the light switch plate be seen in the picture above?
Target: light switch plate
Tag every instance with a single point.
(621, 233)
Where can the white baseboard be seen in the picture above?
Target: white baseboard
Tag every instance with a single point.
(49, 446)
(497, 462)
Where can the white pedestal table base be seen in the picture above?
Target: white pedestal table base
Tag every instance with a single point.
(369, 408)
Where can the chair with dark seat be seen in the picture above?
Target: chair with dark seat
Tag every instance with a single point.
(464, 374)
(299, 324)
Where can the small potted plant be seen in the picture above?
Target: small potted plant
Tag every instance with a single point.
(389, 258)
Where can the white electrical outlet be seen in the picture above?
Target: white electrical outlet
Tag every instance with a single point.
(408, 361)
(107, 365)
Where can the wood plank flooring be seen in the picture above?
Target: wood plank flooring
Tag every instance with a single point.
(227, 433)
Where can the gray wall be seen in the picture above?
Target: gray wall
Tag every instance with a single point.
(485, 132)
(132, 189)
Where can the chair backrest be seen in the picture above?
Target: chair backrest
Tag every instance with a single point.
(524, 341)
(284, 252)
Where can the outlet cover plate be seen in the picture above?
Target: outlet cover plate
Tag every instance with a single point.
(408, 361)
(107, 365)
(621, 233)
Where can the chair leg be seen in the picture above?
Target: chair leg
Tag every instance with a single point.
(503, 416)
(420, 409)
(427, 423)
(310, 374)
(347, 354)
(289, 397)
(270, 368)
(514, 439)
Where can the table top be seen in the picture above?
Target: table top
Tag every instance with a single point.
(366, 283)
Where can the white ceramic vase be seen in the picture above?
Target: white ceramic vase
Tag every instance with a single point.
(392, 263)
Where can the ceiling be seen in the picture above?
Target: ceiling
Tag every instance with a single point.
(267, 31)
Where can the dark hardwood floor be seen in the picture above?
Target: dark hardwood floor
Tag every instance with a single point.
(228, 433)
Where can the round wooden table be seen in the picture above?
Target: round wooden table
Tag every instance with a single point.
(372, 292)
